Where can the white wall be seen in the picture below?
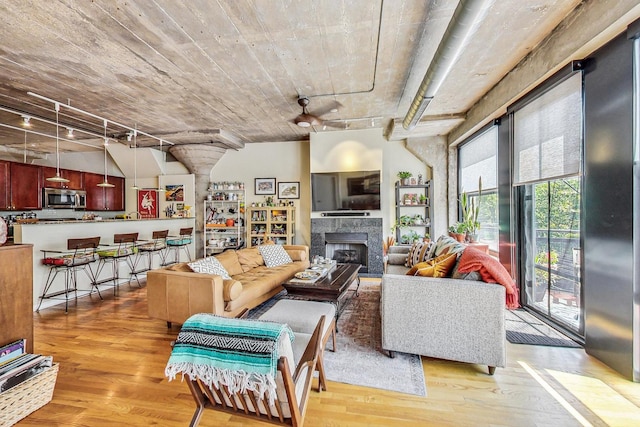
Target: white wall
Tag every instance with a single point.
(284, 161)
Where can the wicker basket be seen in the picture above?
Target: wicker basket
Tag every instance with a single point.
(27, 397)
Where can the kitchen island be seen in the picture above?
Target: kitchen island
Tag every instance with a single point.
(53, 235)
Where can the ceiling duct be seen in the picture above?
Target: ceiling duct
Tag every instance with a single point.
(464, 22)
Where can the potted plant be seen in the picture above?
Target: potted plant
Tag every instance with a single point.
(460, 231)
(417, 219)
(470, 212)
(423, 199)
(404, 177)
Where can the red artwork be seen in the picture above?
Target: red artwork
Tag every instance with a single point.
(148, 203)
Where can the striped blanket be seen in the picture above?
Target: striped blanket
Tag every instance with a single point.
(241, 354)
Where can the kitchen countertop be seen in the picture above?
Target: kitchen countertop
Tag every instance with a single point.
(45, 221)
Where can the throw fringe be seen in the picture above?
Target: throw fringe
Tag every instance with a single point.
(235, 381)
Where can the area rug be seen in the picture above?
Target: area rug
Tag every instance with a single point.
(359, 359)
(524, 328)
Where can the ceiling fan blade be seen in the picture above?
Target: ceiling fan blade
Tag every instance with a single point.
(333, 105)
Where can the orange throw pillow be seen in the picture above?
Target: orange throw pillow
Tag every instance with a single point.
(436, 267)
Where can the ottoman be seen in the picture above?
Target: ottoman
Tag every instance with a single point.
(302, 317)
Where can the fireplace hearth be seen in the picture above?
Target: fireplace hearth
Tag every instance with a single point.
(350, 241)
(348, 248)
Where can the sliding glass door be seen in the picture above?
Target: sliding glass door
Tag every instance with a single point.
(551, 250)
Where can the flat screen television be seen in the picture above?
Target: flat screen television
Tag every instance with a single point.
(344, 191)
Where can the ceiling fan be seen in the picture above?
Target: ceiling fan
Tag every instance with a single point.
(306, 119)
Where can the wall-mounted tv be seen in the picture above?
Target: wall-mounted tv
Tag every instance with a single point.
(340, 191)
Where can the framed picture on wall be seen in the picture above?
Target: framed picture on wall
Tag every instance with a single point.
(288, 190)
(265, 186)
(174, 193)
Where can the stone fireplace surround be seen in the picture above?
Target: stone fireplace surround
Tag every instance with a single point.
(371, 226)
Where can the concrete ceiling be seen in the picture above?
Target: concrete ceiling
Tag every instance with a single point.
(228, 73)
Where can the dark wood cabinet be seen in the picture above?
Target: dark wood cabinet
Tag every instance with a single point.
(26, 186)
(95, 194)
(114, 196)
(104, 198)
(16, 288)
(5, 198)
(75, 178)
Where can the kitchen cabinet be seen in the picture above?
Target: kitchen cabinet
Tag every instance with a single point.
(4, 185)
(26, 187)
(103, 198)
(114, 196)
(76, 181)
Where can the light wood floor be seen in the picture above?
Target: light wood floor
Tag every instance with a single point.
(112, 359)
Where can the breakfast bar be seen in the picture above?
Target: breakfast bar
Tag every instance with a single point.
(53, 235)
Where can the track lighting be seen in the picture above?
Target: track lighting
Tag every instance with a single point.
(56, 178)
(134, 135)
(26, 120)
(70, 132)
(105, 183)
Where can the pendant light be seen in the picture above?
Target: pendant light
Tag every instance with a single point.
(105, 183)
(57, 178)
(135, 158)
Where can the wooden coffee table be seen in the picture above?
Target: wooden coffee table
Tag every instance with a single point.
(331, 288)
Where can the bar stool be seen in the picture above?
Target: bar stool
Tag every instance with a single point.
(124, 247)
(157, 245)
(79, 256)
(181, 243)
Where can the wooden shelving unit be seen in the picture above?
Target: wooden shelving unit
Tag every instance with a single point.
(275, 223)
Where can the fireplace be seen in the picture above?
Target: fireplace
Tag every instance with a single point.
(351, 240)
(348, 248)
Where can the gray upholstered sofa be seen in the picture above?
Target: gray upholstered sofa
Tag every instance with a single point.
(444, 318)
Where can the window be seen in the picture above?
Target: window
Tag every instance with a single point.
(477, 160)
(547, 165)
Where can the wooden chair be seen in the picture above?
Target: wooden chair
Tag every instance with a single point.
(287, 408)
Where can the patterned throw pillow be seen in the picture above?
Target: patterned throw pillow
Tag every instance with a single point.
(446, 245)
(437, 267)
(419, 252)
(274, 255)
(209, 265)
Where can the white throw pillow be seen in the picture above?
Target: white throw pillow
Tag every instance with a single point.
(209, 265)
(274, 255)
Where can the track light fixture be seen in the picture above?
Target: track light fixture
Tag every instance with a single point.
(134, 135)
(70, 132)
(57, 178)
(105, 183)
(26, 120)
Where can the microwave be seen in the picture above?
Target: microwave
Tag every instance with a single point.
(59, 198)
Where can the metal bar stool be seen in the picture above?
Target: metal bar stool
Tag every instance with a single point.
(79, 256)
(175, 245)
(124, 246)
(157, 245)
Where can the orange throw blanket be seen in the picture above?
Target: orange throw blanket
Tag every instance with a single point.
(491, 271)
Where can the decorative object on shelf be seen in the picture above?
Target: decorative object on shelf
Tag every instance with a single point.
(420, 180)
(289, 190)
(404, 177)
(265, 186)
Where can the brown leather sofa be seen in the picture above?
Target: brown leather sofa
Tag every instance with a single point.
(176, 292)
